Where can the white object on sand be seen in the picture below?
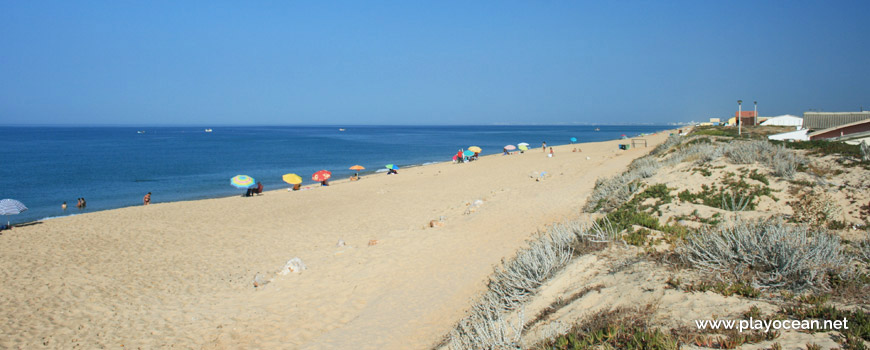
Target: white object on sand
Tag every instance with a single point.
(294, 265)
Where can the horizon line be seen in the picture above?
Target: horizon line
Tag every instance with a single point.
(328, 125)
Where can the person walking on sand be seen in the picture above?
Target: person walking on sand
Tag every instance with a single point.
(544, 146)
(147, 199)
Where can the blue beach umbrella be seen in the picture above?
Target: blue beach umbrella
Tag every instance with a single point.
(468, 153)
(573, 139)
(242, 181)
(11, 207)
(392, 166)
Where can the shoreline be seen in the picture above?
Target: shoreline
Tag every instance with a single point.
(182, 273)
(310, 185)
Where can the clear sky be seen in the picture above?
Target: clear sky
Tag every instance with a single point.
(426, 62)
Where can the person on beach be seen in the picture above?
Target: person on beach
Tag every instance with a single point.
(544, 146)
(392, 171)
(147, 199)
(254, 190)
(460, 156)
(551, 152)
(296, 187)
(505, 152)
(355, 177)
(324, 183)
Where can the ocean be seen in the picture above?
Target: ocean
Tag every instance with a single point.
(113, 167)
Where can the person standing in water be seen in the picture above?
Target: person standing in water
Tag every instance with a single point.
(63, 206)
(147, 199)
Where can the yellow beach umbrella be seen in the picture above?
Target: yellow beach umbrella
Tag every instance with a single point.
(524, 148)
(475, 149)
(292, 179)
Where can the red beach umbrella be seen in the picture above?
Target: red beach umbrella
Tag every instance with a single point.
(322, 175)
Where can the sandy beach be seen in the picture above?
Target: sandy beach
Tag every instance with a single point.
(182, 275)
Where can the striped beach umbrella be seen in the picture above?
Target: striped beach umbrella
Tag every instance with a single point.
(322, 175)
(11, 207)
(242, 181)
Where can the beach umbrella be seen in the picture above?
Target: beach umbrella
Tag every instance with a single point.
(357, 167)
(11, 207)
(475, 149)
(391, 166)
(524, 147)
(521, 144)
(510, 147)
(292, 179)
(573, 139)
(242, 181)
(321, 176)
(468, 153)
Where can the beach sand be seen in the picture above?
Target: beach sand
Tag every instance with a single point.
(182, 274)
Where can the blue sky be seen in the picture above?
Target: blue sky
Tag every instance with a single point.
(410, 62)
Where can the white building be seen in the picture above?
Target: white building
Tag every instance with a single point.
(784, 120)
(798, 135)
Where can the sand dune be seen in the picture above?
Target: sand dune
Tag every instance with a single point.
(182, 274)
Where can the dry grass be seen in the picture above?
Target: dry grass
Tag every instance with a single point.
(514, 283)
(767, 254)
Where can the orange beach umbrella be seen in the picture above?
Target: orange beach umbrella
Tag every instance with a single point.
(357, 167)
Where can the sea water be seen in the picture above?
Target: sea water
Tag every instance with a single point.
(113, 167)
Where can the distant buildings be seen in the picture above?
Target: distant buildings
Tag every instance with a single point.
(784, 120)
(851, 127)
(746, 117)
(824, 120)
(853, 132)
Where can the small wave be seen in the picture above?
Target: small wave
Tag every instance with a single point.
(381, 170)
(56, 217)
(144, 180)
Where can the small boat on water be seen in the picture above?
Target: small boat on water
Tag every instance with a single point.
(207, 130)
(341, 129)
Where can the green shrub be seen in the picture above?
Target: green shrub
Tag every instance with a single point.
(622, 328)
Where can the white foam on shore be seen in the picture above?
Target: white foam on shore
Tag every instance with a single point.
(55, 217)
